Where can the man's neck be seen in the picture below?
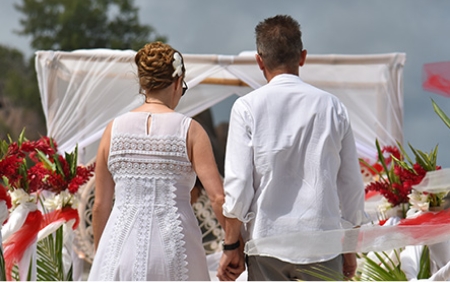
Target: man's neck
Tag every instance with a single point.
(269, 75)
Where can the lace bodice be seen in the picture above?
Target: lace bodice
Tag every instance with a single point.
(160, 152)
(153, 177)
(143, 156)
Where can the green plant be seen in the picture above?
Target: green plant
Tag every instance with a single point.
(441, 113)
(2, 266)
(50, 265)
(425, 269)
(384, 270)
(398, 173)
(323, 273)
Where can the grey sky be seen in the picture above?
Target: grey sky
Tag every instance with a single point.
(419, 28)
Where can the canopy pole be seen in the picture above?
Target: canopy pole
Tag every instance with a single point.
(224, 81)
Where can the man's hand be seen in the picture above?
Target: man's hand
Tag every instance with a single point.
(231, 265)
(350, 265)
(232, 262)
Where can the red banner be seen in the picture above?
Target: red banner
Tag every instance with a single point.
(15, 246)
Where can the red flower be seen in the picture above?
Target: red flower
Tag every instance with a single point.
(378, 167)
(56, 183)
(394, 151)
(13, 149)
(4, 196)
(82, 177)
(9, 166)
(36, 176)
(35, 166)
(400, 176)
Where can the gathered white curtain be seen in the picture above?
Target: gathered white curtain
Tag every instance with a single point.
(83, 90)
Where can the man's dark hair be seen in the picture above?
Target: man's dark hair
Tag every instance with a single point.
(279, 42)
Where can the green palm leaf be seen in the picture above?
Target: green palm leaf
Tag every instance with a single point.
(404, 154)
(387, 270)
(3, 148)
(441, 114)
(323, 273)
(382, 161)
(49, 262)
(15, 273)
(427, 161)
(30, 270)
(425, 269)
(69, 276)
(43, 158)
(2, 266)
(72, 161)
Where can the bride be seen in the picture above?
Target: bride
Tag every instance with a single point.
(148, 160)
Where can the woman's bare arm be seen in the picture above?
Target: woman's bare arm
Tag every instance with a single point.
(201, 155)
(104, 188)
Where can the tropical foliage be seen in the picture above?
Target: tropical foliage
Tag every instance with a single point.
(50, 264)
(383, 267)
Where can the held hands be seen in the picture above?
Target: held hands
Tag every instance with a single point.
(232, 264)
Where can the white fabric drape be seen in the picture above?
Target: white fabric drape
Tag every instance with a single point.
(83, 90)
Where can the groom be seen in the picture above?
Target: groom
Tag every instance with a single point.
(291, 165)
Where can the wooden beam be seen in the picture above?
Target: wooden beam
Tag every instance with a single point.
(224, 81)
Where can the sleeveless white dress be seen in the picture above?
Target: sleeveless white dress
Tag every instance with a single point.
(152, 232)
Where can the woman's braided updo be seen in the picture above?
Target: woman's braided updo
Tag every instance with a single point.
(154, 64)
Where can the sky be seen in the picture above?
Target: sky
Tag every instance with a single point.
(418, 28)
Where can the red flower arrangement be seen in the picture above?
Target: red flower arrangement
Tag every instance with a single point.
(27, 168)
(397, 176)
(35, 166)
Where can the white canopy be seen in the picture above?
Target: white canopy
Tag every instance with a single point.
(83, 90)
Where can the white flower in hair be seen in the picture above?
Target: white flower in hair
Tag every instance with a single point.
(177, 64)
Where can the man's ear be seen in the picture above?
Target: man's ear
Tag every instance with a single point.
(302, 57)
(260, 62)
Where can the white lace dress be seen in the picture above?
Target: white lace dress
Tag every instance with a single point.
(152, 233)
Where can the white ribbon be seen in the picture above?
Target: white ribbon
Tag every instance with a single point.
(17, 219)
(28, 258)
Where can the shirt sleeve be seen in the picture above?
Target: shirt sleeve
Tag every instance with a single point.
(238, 184)
(350, 185)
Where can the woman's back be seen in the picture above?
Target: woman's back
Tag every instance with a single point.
(152, 232)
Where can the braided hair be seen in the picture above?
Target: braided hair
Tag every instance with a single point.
(154, 65)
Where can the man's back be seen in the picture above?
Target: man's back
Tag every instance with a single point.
(291, 168)
(295, 133)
